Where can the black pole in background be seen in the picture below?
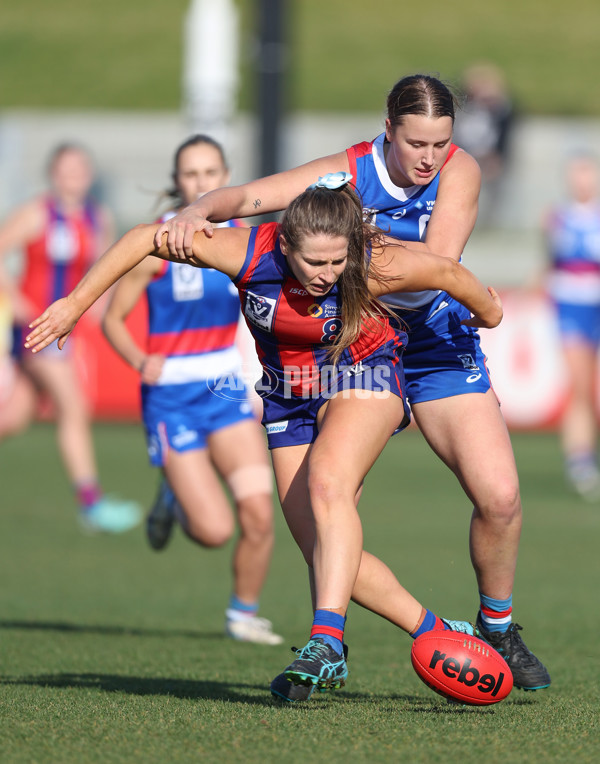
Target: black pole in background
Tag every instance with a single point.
(271, 69)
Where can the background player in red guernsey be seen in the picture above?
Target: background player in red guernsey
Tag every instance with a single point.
(59, 234)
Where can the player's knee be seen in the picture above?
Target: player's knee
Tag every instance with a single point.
(212, 535)
(326, 489)
(74, 416)
(250, 481)
(256, 518)
(504, 504)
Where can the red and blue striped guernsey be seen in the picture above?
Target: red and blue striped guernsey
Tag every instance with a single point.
(292, 329)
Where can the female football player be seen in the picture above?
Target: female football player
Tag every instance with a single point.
(194, 435)
(572, 231)
(418, 186)
(60, 233)
(332, 385)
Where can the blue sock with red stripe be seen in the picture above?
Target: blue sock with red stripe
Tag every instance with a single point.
(495, 614)
(428, 622)
(329, 627)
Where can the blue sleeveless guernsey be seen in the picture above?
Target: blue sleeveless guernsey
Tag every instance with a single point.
(443, 358)
(399, 212)
(573, 232)
(193, 316)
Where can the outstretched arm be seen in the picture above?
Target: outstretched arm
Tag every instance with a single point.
(225, 252)
(400, 269)
(258, 197)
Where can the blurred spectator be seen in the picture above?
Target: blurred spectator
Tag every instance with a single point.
(483, 128)
(572, 231)
(59, 234)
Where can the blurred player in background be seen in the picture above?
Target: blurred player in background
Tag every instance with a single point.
(484, 127)
(420, 187)
(572, 232)
(199, 422)
(59, 234)
(332, 383)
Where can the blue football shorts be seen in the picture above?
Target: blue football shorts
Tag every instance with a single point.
(290, 420)
(181, 417)
(579, 322)
(443, 358)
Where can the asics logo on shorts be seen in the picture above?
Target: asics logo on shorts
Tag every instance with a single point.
(470, 365)
(184, 438)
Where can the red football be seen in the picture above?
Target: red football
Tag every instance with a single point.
(461, 667)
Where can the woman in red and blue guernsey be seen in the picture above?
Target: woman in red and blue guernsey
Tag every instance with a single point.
(333, 383)
(199, 422)
(417, 186)
(60, 234)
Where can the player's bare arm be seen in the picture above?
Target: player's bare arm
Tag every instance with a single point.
(270, 194)
(225, 252)
(125, 296)
(400, 269)
(455, 210)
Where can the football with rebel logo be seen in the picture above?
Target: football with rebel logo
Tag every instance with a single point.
(461, 667)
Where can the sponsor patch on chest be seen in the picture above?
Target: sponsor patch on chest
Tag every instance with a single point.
(188, 283)
(260, 310)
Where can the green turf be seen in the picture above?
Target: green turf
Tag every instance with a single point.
(110, 652)
(343, 54)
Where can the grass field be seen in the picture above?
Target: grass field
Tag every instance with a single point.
(343, 55)
(110, 652)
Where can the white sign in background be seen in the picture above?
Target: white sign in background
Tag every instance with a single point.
(525, 361)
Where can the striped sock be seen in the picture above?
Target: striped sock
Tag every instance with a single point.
(428, 622)
(238, 610)
(495, 614)
(330, 628)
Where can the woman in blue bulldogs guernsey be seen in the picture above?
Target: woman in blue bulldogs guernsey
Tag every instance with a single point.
(332, 388)
(194, 435)
(418, 186)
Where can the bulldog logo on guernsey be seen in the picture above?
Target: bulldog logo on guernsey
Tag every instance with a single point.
(260, 310)
(188, 283)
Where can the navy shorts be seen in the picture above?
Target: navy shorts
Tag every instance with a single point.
(442, 358)
(181, 417)
(19, 352)
(291, 420)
